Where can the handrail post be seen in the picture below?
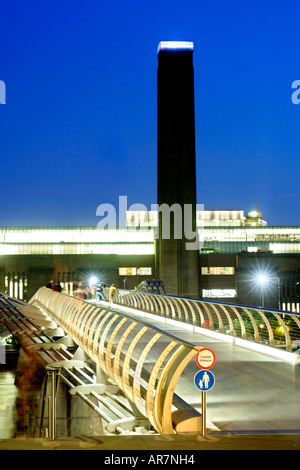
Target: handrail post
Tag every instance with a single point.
(52, 372)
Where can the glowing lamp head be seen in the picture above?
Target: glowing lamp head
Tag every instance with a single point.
(262, 279)
(93, 281)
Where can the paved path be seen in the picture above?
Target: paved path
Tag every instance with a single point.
(145, 444)
(252, 392)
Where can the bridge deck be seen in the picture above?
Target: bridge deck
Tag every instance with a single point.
(252, 393)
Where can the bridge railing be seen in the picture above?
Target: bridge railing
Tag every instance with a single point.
(144, 362)
(271, 327)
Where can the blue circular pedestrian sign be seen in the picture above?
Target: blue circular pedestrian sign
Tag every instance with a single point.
(204, 380)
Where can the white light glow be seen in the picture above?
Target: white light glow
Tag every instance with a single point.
(262, 279)
(175, 45)
(93, 280)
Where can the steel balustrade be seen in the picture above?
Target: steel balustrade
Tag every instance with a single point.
(144, 362)
(271, 327)
(34, 330)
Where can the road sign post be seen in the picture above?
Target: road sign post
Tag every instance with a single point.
(203, 413)
(204, 380)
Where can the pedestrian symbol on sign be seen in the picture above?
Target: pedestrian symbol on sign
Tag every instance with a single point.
(204, 380)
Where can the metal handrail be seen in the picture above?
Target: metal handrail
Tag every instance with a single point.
(143, 361)
(274, 328)
(29, 324)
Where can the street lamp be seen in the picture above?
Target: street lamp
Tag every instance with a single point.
(262, 279)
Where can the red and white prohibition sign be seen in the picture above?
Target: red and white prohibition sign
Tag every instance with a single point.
(205, 358)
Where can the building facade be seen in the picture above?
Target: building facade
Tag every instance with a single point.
(232, 256)
(31, 257)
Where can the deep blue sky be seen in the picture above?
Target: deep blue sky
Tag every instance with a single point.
(79, 125)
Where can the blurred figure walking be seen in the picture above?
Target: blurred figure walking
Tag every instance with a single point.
(112, 292)
(99, 292)
(28, 380)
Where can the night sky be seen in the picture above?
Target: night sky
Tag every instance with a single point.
(79, 125)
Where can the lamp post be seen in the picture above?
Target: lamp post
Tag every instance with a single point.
(262, 280)
(278, 293)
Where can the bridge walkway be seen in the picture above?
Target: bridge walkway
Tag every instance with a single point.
(253, 392)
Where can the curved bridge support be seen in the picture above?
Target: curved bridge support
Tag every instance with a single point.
(124, 350)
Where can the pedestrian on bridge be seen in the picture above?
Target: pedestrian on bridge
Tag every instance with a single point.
(28, 380)
(50, 285)
(112, 292)
(57, 287)
(99, 292)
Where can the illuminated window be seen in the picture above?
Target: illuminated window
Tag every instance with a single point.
(15, 285)
(144, 271)
(127, 248)
(127, 271)
(218, 270)
(252, 249)
(218, 293)
(68, 287)
(135, 271)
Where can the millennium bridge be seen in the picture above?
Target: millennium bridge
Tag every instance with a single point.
(128, 368)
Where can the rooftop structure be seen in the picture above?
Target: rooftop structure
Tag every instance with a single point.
(175, 46)
(206, 218)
